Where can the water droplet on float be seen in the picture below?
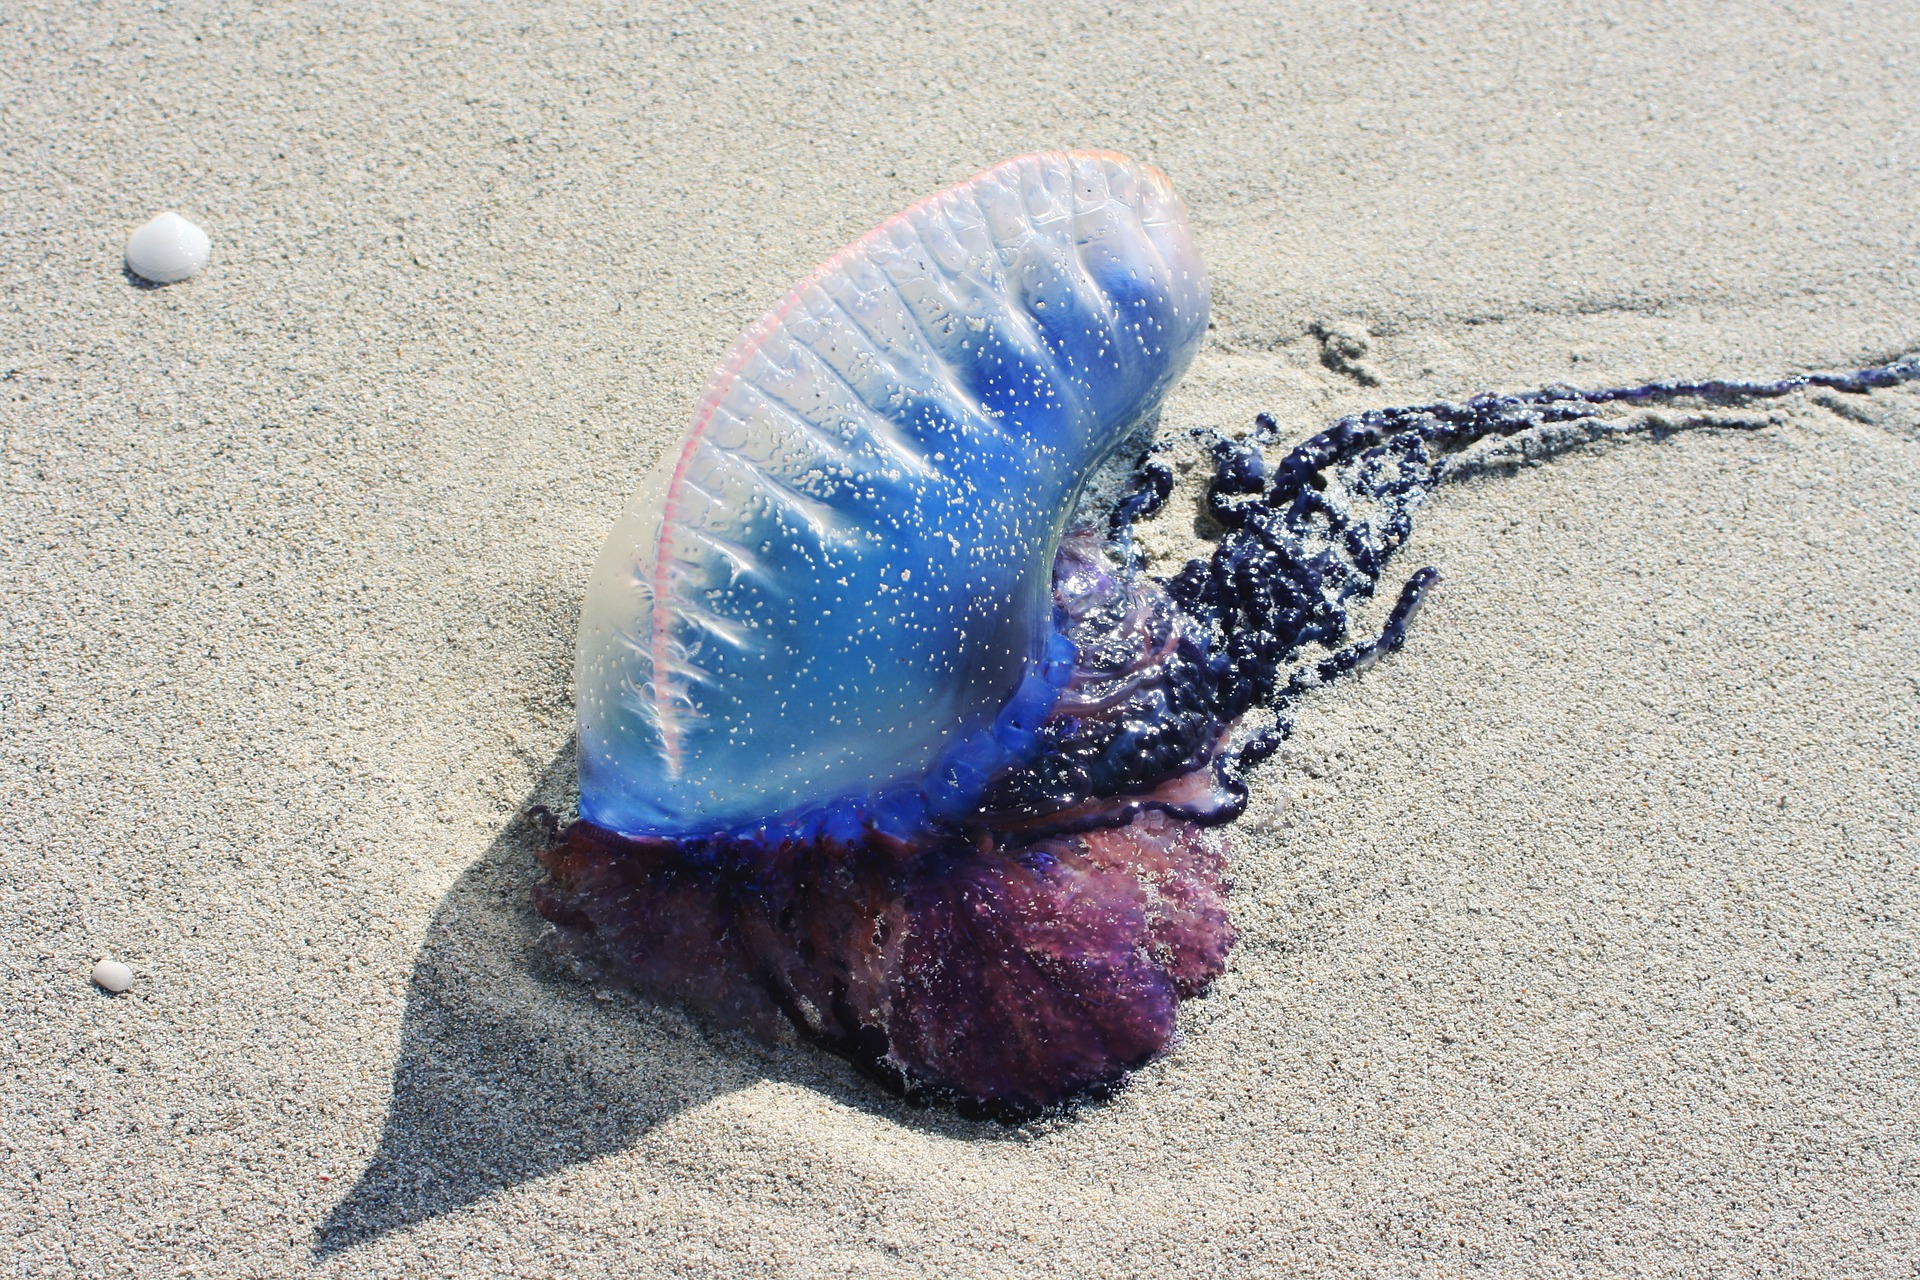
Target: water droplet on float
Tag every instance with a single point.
(111, 975)
(167, 249)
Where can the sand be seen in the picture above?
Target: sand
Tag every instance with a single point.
(1579, 938)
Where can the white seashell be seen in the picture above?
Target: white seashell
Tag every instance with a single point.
(167, 250)
(111, 975)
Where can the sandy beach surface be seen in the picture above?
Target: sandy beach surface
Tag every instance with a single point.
(1582, 937)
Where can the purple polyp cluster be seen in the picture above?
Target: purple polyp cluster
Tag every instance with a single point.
(1033, 944)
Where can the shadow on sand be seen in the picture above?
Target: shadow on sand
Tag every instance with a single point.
(510, 1067)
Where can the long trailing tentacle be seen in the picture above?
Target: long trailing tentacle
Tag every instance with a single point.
(1305, 542)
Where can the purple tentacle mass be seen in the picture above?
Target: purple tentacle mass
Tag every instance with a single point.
(1302, 545)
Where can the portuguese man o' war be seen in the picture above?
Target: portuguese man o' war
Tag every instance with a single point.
(886, 737)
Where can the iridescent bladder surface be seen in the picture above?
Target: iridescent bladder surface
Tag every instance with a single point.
(874, 747)
(831, 601)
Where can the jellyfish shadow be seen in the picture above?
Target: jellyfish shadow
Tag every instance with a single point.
(493, 1085)
(511, 1067)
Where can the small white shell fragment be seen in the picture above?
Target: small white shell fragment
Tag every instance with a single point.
(111, 975)
(167, 250)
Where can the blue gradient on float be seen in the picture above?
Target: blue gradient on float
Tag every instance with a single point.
(834, 611)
